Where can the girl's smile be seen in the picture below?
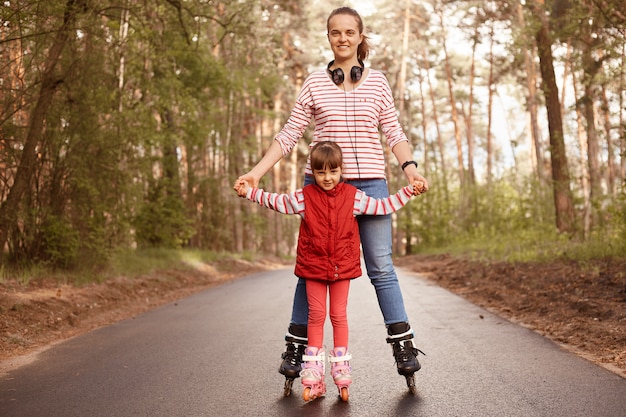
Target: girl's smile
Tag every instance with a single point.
(327, 178)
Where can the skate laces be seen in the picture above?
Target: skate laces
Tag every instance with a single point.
(403, 354)
(291, 355)
(406, 352)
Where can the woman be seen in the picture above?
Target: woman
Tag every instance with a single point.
(349, 103)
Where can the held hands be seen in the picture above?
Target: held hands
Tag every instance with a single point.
(249, 179)
(244, 182)
(241, 186)
(419, 187)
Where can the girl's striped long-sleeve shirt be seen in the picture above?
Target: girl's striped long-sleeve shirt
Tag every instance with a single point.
(352, 119)
(293, 203)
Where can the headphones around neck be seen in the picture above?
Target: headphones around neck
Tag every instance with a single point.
(337, 74)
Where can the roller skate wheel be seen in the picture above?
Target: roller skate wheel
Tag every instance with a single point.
(344, 394)
(410, 382)
(288, 385)
(306, 394)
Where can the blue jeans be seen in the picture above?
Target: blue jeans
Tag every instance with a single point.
(375, 234)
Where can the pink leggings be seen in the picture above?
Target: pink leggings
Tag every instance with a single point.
(316, 295)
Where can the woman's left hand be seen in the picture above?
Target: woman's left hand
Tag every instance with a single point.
(412, 175)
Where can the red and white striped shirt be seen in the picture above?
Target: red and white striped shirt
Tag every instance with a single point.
(350, 118)
(293, 203)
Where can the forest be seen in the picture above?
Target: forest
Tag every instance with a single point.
(124, 123)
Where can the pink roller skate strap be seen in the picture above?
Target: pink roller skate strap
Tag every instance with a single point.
(313, 367)
(340, 368)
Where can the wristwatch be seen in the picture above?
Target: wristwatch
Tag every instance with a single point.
(407, 163)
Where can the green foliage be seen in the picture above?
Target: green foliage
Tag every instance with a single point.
(60, 243)
(162, 221)
(441, 218)
(132, 263)
(23, 274)
(507, 223)
(538, 246)
(126, 263)
(209, 227)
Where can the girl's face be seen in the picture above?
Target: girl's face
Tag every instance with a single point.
(327, 178)
(344, 36)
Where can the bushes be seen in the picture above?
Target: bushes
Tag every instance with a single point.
(508, 222)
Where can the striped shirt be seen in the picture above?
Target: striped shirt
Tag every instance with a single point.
(352, 119)
(293, 203)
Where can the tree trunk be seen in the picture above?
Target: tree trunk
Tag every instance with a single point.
(584, 172)
(622, 122)
(611, 169)
(567, 64)
(454, 115)
(403, 63)
(123, 34)
(468, 120)
(399, 234)
(435, 116)
(491, 87)
(274, 220)
(565, 221)
(590, 68)
(531, 100)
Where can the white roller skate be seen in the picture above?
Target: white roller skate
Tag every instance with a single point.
(312, 374)
(341, 371)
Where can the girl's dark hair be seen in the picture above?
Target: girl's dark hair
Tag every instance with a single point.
(363, 50)
(326, 155)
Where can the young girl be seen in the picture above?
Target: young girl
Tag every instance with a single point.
(328, 254)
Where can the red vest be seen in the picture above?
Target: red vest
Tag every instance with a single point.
(329, 247)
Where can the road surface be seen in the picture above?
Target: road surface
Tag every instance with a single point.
(216, 353)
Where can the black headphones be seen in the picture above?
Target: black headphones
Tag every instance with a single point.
(337, 74)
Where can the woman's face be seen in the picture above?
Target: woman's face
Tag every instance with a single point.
(344, 36)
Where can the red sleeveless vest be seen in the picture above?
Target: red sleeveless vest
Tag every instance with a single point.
(329, 246)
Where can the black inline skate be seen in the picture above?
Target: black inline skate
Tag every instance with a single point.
(291, 365)
(405, 354)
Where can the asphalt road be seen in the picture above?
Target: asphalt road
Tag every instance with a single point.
(216, 354)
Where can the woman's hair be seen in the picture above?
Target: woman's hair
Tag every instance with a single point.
(326, 155)
(363, 49)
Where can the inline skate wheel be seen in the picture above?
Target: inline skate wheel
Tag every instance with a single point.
(410, 382)
(344, 394)
(306, 394)
(288, 385)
